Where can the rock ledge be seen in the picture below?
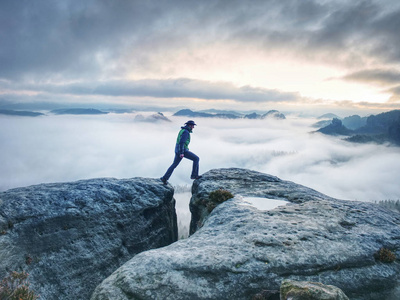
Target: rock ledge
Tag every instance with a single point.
(70, 236)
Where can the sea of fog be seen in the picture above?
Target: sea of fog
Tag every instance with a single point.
(58, 148)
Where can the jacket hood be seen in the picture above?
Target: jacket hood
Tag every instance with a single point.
(187, 128)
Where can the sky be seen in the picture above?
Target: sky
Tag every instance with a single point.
(310, 55)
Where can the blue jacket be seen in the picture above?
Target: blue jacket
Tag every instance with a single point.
(183, 140)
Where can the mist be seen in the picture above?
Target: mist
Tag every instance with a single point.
(59, 148)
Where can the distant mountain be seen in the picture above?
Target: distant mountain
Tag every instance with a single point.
(364, 139)
(273, 114)
(20, 113)
(322, 123)
(252, 116)
(221, 112)
(381, 123)
(152, 118)
(335, 128)
(328, 116)
(394, 132)
(230, 115)
(120, 110)
(190, 113)
(78, 111)
(194, 114)
(354, 122)
(381, 128)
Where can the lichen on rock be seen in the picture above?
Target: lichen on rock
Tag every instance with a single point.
(305, 290)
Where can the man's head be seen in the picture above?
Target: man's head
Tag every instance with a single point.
(190, 124)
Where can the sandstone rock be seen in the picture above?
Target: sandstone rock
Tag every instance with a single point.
(305, 290)
(246, 183)
(70, 236)
(241, 250)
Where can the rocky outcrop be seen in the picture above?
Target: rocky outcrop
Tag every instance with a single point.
(70, 236)
(381, 128)
(200, 114)
(354, 122)
(274, 114)
(246, 183)
(335, 128)
(241, 250)
(158, 117)
(305, 290)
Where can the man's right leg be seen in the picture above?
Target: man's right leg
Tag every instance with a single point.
(195, 168)
(171, 169)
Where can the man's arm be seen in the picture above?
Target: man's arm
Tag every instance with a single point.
(184, 137)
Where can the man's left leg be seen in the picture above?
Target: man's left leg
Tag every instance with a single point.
(195, 169)
(167, 175)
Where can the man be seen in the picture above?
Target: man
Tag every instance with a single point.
(182, 150)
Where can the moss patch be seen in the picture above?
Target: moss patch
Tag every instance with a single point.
(385, 255)
(217, 197)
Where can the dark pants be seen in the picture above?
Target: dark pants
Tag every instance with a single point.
(177, 160)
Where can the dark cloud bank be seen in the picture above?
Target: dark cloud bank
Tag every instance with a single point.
(59, 41)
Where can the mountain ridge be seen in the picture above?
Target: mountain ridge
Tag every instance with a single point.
(273, 114)
(380, 128)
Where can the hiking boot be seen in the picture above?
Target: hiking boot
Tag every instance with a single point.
(164, 181)
(196, 177)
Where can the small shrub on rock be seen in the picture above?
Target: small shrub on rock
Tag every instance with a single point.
(16, 287)
(385, 255)
(220, 195)
(217, 197)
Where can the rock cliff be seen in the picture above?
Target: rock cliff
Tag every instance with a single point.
(70, 236)
(241, 250)
(246, 183)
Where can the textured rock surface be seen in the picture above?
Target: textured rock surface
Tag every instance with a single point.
(70, 236)
(241, 250)
(246, 183)
(305, 290)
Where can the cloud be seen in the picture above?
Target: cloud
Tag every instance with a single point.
(67, 148)
(103, 39)
(190, 88)
(70, 38)
(375, 76)
(396, 90)
(169, 88)
(331, 32)
(395, 99)
(386, 37)
(211, 50)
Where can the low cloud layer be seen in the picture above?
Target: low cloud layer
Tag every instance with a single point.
(67, 148)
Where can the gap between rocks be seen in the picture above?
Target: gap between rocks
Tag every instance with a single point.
(182, 197)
